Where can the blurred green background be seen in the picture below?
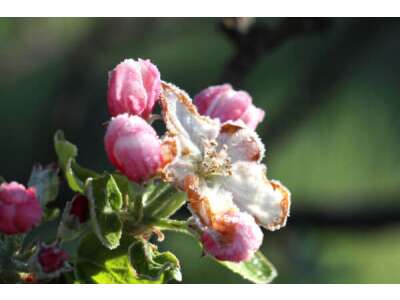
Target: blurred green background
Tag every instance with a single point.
(340, 156)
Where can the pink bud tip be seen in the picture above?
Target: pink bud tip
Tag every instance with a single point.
(19, 208)
(80, 208)
(226, 104)
(52, 258)
(133, 147)
(133, 88)
(239, 239)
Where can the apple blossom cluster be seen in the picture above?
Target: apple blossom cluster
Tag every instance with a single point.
(210, 151)
(209, 157)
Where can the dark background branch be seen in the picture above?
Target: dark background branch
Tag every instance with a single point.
(353, 217)
(257, 40)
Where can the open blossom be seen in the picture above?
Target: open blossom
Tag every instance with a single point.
(226, 104)
(219, 168)
(19, 208)
(133, 147)
(133, 88)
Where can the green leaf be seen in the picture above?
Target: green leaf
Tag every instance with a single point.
(97, 264)
(132, 195)
(162, 200)
(64, 149)
(77, 176)
(46, 182)
(105, 201)
(2, 179)
(257, 270)
(153, 265)
(45, 232)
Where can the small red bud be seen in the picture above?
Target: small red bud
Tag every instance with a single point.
(52, 258)
(80, 208)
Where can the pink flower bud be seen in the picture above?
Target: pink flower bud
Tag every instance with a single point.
(236, 240)
(133, 87)
(80, 208)
(133, 147)
(52, 258)
(19, 208)
(226, 104)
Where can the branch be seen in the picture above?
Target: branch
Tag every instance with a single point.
(252, 42)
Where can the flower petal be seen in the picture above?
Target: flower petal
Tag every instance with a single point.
(208, 201)
(183, 120)
(243, 144)
(267, 201)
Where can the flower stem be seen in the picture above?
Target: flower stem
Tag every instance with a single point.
(173, 225)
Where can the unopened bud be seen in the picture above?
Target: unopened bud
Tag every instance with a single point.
(19, 208)
(226, 104)
(133, 88)
(133, 147)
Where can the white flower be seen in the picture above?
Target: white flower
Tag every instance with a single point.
(219, 166)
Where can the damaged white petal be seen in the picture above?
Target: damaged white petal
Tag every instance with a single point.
(267, 201)
(183, 120)
(241, 143)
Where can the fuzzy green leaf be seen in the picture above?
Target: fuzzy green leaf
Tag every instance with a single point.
(257, 270)
(105, 201)
(64, 149)
(45, 232)
(132, 195)
(96, 264)
(46, 182)
(153, 265)
(76, 176)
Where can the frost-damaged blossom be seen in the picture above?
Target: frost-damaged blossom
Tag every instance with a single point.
(226, 104)
(134, 88)
(19, 208)
(218, 165)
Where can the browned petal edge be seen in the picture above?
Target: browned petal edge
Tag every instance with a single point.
(285, 206)
(230, 128)
(169, 150)
(200, 205)
(183, 98)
